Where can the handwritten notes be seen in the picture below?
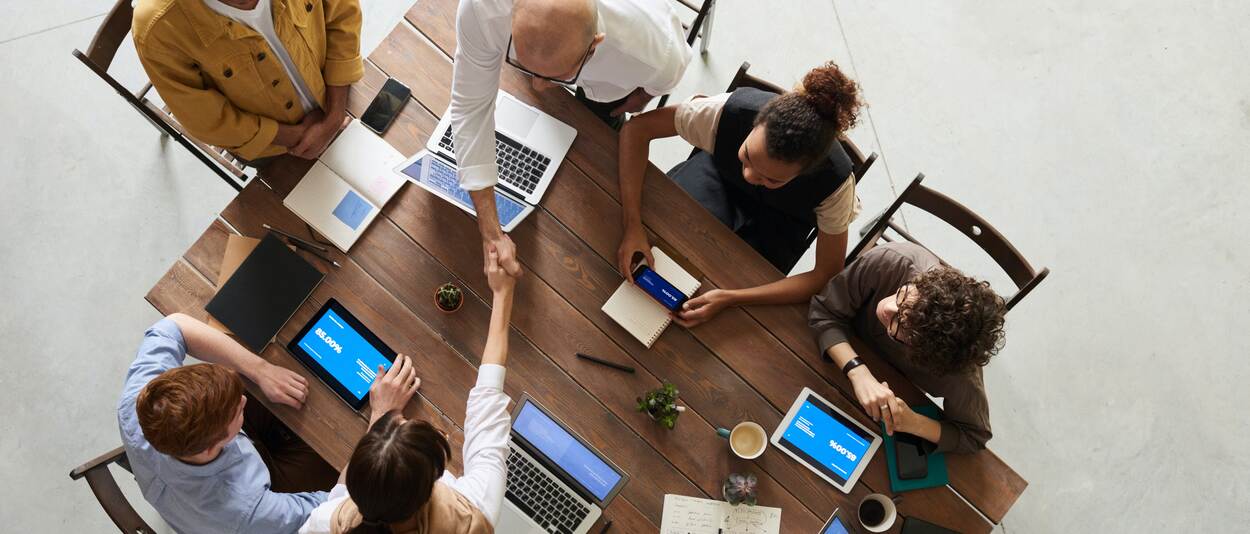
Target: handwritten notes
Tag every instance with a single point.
(691, 515)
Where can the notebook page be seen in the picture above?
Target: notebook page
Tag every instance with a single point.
(366, 162)
(692, 515)
(637, 313)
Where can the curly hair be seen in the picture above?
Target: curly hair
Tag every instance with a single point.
(955, 324)
(801, 124)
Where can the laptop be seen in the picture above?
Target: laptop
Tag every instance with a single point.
(529, 147)
(557, 483)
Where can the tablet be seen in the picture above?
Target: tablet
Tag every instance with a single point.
(835, 525)
(826, 440)
(344, 354)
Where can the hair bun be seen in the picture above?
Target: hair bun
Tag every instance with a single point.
(832, 95)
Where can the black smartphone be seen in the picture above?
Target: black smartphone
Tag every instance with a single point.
(659, 288)
(913, 456)
(385, 107)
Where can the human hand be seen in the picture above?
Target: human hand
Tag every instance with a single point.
(506, 250)
(281, 385)
(703, 307)
(873, 396)
(499, 280)
(633, 103)
(901, 418)
(633, 241)
(317, 135)
(394, 387)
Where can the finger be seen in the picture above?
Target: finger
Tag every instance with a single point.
(416, 384)
(872, 408)
(381, 374)
(646, 252)
(298, 386)
(409, 373)
(888, 415)
(284, 398)
(296, 393)
(685, 323)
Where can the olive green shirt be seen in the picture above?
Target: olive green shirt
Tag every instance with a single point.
(847, 306)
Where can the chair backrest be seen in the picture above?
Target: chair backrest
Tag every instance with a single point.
(701, 14)
(1010, 260)
(99, 57)
(109, 495)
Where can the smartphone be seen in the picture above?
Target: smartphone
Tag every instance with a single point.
(836, 525)
(913, 456)
(659, 288)
(385, 107)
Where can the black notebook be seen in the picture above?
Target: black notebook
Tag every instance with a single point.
(264, 292)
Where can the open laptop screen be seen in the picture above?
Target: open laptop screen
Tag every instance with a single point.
(566, 451)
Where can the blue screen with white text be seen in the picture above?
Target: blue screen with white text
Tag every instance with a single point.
(833, 446)
(566, 451)
(836, 527)
(347, 356)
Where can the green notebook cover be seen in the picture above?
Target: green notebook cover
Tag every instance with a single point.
(937, 461)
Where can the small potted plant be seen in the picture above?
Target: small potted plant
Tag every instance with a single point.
(448, 297)
(661, 405)
(739, 488)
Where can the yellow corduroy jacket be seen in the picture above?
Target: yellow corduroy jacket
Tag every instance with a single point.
(222, 81)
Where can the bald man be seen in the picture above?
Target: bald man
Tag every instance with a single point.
(618, 53)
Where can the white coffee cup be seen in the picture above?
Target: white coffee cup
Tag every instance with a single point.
(747, 440)
(887, 520)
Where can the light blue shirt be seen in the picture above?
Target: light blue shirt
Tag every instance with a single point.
(229, 494)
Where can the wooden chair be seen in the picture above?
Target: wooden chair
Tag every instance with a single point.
(961, 218)
(110, 496)
(99, 57)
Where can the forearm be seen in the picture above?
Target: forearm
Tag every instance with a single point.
(288, 135)
(789, 290)
(496, 351)
(928, 429)
(634, 154)
(487, 217)
(336, 103)
(211, 345)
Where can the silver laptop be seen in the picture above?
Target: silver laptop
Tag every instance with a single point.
(557, 483)
(529, 146)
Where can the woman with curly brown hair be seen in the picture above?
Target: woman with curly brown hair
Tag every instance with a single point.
(933, 323)
(769, 167)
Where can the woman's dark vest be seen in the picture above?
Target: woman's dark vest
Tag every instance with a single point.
(775, 222)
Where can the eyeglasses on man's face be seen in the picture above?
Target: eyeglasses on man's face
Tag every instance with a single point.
(512, 60)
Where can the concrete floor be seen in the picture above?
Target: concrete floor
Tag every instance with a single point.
(1107, 140)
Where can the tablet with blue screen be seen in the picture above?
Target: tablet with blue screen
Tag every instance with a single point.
(344, 354)
(826, 440)
(835, 525)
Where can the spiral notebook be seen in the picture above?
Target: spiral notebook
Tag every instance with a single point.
(637, 312)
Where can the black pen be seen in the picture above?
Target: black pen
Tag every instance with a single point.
(606, 526)
(600, 361)
(315, 253)
(307, 244)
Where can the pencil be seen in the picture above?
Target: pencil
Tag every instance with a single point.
(600, 361)
(315, 253)
(606, 526)
(312, 246)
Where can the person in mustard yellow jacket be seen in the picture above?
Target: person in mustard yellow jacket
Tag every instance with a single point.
(256, 77)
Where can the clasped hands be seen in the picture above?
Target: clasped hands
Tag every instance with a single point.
(317, 129)
(881, 404)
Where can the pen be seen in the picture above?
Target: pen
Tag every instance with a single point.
(606, 526)
(315, 253)
(312, 246)
(600, 361)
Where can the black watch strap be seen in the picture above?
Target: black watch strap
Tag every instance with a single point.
(855, 362)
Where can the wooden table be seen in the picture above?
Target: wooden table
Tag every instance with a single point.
(747, 364)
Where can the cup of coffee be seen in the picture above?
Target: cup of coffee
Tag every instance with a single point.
(747, 440)
(877, 513)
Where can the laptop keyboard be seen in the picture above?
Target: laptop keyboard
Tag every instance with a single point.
(519, 166)
(540, 497)
(442, 176)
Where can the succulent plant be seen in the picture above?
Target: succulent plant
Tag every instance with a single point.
(740, 488)
(448, 297)
(661, 405)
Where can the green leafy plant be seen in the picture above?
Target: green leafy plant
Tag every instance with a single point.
(661, 405)
(739, 488)
(448, 297)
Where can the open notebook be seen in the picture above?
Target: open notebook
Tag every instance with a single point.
(347, 187)
(637, 312)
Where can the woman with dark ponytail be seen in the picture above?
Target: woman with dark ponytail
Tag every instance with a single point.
(769, 167)
(396, 481)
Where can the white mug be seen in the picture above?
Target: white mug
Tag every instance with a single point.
(745, 431)
(891, 513)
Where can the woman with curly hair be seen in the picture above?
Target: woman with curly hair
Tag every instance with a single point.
(933, 323)
(769, 167)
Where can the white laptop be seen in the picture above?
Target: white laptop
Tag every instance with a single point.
(557, 483)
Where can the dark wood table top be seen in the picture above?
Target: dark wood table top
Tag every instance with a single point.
(747, 364)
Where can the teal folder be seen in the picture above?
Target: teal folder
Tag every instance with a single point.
(937, 461)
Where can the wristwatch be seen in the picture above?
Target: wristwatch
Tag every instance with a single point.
(855, 362)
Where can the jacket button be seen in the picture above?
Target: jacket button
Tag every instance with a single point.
(274, 83)
(228, 73)
(260, 56)
(308, 7)
(289, 104)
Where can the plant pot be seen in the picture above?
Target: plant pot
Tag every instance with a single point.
(440, 307)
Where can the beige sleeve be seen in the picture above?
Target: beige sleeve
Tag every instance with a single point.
(697, 119)
(835, 213)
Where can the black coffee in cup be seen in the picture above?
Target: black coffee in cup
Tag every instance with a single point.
(871, 512)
